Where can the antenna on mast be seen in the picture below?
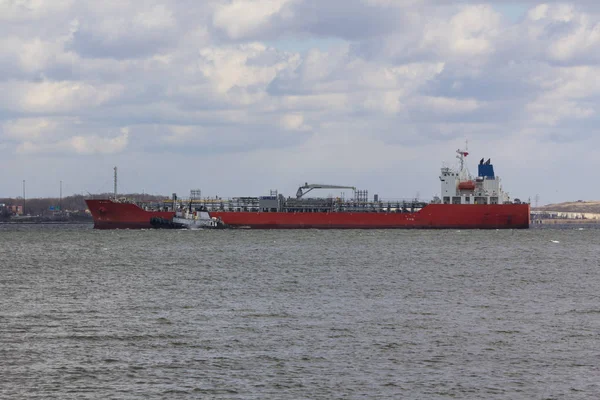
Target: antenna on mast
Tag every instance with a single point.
(462, 154)
(115, 194)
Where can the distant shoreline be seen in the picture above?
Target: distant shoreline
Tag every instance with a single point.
(563, 221)
(46, 222)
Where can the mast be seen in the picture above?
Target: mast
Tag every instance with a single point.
(461, 155)
(115, 194)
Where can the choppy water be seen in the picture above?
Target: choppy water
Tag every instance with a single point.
(299, 314)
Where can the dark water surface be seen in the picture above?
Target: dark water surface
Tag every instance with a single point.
(299, 314)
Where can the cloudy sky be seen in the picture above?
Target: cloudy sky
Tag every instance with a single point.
(237, 97)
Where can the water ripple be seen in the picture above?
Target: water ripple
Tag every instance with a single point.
(298, 314)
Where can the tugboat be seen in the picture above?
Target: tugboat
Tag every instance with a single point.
(198, 218)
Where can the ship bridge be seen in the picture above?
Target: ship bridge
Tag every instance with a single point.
(459, 187)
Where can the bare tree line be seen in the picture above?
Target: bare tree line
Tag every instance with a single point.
(74, 203)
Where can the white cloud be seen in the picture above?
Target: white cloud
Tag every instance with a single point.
(566, 93)
(157, 17)
(562, 33)
(57, 97)
(239, 18)
(469, 33)
(27, 10)
(386, 101)
(335, 86)
(30, 128)
(584, 39)
(547, 113)
(447, 105)
(240, 66)
(80, 145)
(294, 122)
(559, 12)
(538, 12)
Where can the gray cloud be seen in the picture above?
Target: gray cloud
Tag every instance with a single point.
(194, 84)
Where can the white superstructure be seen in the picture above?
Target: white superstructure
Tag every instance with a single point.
(459, 187)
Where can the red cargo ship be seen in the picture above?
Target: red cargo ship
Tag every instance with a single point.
(466, 202)
(109, 214)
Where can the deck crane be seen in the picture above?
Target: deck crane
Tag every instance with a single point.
(302, 190)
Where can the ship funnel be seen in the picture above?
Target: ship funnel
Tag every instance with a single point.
(486, 170)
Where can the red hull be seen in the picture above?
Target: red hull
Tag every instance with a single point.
(433, 216)
(110, 215)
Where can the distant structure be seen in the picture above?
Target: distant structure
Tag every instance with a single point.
(115, 194)
(195, 194)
